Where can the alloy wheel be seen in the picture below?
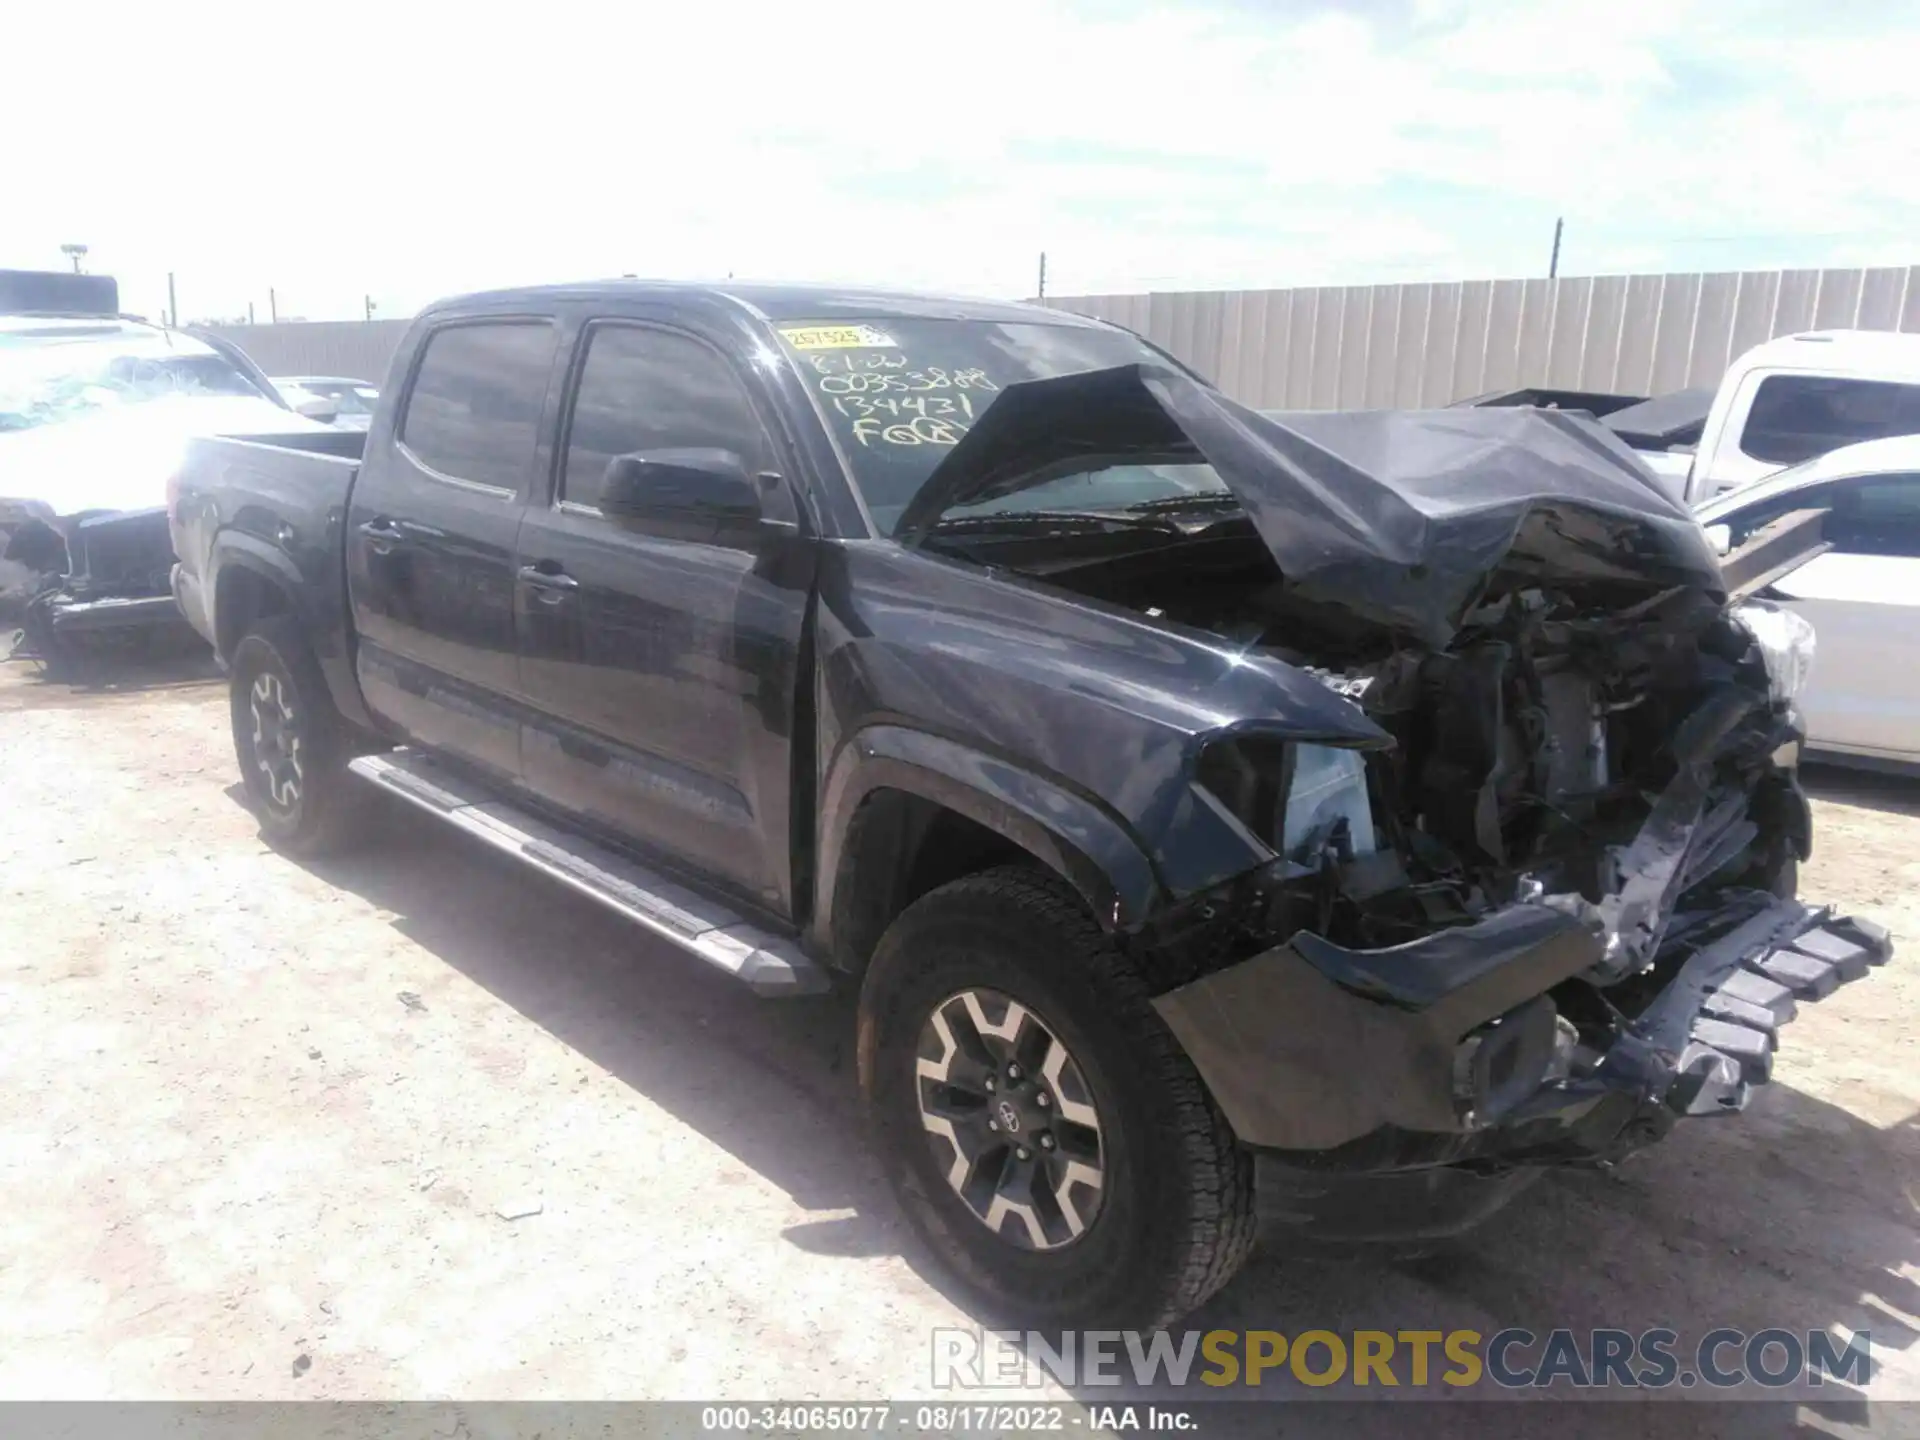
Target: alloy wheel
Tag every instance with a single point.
(276, 740)
(1011, 1119)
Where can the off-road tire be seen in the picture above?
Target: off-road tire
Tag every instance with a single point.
(322, 811)
(1175, 1219)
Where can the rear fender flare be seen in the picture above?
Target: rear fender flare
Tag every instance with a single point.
(234, 550)
(1068, 833)
(238, 550)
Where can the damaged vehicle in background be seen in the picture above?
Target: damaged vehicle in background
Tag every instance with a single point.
(1316, 825)
(95, 411)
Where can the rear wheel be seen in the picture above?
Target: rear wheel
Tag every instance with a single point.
(1045, 1133)
(292, 744)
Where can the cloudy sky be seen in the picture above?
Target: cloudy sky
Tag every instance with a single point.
(330, 151)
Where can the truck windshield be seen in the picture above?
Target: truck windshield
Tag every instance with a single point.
(46, 380)
(899, 393)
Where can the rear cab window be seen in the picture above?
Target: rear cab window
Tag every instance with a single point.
(473, 412)
(1799, 417)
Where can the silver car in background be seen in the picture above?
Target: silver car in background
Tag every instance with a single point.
(352, 400)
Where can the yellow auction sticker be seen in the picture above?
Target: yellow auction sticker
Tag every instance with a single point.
(836, 337)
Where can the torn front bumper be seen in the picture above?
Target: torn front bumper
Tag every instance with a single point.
(1409, 1091)
(118, 577)
(67, 615)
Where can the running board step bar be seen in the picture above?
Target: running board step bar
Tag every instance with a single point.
(767, 964)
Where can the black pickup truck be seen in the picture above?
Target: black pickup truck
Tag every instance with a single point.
(1232, 823)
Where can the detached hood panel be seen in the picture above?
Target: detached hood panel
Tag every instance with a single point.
(1396, 517)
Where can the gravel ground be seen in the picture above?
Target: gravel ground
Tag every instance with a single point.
(413, 1123)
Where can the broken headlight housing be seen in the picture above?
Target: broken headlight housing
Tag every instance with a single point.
(1329, 787)
(1785, 641)
(1294, 796)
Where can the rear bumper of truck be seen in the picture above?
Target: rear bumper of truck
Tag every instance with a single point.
(1408, 1093)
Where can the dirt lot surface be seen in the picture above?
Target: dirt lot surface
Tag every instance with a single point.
(265, 1123)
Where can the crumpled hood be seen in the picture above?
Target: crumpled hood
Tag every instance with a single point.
(1396, 517)
(121, 458)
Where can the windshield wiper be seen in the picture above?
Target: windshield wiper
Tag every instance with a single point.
(1197, 500)
(1059, 520)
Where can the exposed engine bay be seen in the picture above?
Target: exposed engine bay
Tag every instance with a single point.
(1529, 759)
(1569, 711)
(1549, 907)
(1596, 794)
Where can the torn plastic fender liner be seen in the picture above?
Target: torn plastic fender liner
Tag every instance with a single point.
(1309, 1045)
(1672, 846)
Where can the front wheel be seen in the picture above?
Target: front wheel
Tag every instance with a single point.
(1046, 1135)
(292, 744)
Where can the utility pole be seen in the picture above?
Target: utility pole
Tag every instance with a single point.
(1043, 275)
(173, 305)
(273, 306)
(1553, 265)
(369, 300)
(249, 312)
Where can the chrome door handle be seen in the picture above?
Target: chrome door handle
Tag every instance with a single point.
(381, 536)
(536, 578)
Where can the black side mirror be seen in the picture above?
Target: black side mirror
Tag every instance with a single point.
(681, 491)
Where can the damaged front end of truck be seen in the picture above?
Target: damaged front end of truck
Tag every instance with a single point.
(1561, 918)
(1548, 909)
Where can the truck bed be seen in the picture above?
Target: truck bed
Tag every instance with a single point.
(272, 505)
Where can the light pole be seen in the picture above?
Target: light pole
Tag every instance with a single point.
(75, 253)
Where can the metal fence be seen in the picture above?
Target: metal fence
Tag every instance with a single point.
(1356, 346)
(1363, 346)
(358, 349)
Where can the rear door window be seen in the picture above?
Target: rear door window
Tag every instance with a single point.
(1798, 417)
(474, 411)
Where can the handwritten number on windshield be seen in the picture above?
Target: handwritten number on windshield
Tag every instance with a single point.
(922, 430)
(935, 407)
(929, 378)
(845, 362)
(891, 400)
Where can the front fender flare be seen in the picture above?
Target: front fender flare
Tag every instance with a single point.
(1069, 833)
